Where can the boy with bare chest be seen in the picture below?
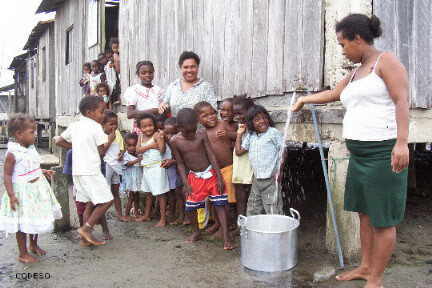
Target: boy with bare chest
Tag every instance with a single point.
(193, 151)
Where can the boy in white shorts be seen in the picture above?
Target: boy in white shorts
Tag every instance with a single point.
(89, 141)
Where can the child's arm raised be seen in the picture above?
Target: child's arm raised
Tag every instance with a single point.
(187, 190)
(9, 165)
(133, 162)
(160, 140)
(212, 158)
(104, 147)
(141, 149)
(61, 142)
(238, 147)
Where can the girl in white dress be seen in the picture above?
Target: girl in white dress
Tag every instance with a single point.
(151, 143)
(29, 206)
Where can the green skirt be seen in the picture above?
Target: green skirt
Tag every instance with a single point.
(372, 188)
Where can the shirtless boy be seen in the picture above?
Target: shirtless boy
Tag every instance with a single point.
(192, 151)
(221, 137)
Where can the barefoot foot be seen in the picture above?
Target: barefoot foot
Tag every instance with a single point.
(176, 222)
(228, 245)
(89, 237)
(124, 218)
(84, 243)
(356, 274)
(37, 250)
(212, 229)
(218, 235)
(161, 223)
(27, 258)
(142, 219)
(194, 237)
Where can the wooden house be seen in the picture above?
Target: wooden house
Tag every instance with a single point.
(19, 101)
(82, 29)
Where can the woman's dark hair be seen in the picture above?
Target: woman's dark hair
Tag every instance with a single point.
(243, 101)
(113, 41)
(144, 63)
(254, 111)
(108, 115)
(358, 24)
(131, 135)
(103, 85)
(146, 116)
(89, 103)
(188, 55)
(187, 116)
(19, 122)
(88, 65)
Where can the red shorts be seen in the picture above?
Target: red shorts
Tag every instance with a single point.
(80, 207)
(203, 189)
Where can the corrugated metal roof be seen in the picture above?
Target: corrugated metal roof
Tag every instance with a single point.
(18, 60)
(36, 33)
(49, 6)
(7, 87)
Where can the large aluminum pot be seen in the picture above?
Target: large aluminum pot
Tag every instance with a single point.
(269, 242)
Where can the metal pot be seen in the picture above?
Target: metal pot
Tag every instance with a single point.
(269, 242)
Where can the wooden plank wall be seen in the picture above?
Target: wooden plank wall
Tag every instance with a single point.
(258, 47)
(31, 63)
(407, 31)
(72, 13)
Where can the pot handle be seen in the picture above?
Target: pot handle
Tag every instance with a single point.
(241, 220)
(294, 213)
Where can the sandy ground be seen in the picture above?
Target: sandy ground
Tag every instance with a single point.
(143, 256)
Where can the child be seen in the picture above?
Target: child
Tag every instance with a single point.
(193, 151)
(103, 90)
(144, 97)
(97, 76)
(175, 195)
(112, 157)
(226, 112)
(110, 73)
(29, 206)
(85, 80)
(80, 206)
(221, 137)
(132, 173)
(151, 143)
(242, 171)
(264, 143)
(115, 48)
(89, 142)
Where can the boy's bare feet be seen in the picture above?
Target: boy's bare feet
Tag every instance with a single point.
(194, 237)
(358, 273)
(84, 243)
(142, 219)
(27, 258)
(187, 222)
(161, 223)
(228, 245)
(123, 218)
(85, 234)
(177, 221)
(37, 250)
(212, 229)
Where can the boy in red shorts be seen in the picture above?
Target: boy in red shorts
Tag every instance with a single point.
(193, 152)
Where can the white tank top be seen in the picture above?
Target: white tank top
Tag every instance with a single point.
(370, 111)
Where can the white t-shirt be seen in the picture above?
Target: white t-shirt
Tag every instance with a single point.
(143, 98)
(86, 135)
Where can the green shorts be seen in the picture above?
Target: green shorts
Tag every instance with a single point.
(372, 188)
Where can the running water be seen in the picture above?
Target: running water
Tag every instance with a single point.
(282, 150)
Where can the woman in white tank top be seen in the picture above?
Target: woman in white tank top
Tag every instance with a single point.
(375, 127)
